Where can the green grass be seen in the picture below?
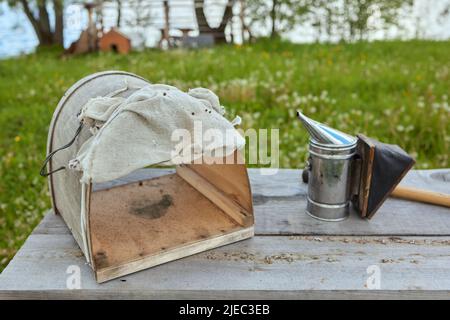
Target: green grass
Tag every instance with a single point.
(394, 91)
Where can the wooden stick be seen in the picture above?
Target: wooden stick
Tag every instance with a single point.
(421, 195)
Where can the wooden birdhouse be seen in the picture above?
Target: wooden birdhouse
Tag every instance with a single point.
(126, 227)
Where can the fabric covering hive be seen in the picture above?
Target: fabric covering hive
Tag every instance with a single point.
(141, 130)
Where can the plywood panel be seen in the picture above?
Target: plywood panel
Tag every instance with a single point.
(230, 177)
(145, 218)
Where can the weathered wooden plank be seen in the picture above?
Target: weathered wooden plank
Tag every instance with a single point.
(137, 175)
(262, 267)
(220, 295)
(435, 180)
(51, 224)
(289, 222)
(269, 266)
(127, 294)
(280, 202)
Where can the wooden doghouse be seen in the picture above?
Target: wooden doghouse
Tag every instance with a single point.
(130, 227)
(115, 41)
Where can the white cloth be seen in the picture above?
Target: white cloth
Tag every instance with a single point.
(144, 129)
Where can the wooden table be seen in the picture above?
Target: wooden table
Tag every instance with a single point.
(406, 244)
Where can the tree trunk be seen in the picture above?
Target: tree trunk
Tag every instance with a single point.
(227, 15)
(44, 23)
(32, 19)
(202, 22)
(167, 22)
(58, 36)
(273, 16)
(41, 23)
(242, 19)
(119, 13)
(203, 26)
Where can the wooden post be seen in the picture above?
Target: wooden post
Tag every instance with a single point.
(241, 18)
(91, 29)
(99, 17)
(166, 22)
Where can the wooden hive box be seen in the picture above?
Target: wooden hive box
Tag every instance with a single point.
(130, 227)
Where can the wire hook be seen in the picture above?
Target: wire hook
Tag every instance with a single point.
(43, 172)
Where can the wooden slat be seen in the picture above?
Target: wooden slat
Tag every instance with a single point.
(216, 196)
(230, 177)
(173, 254)
(51, 224)
(143, 174)
(280, 201)
(262, 267)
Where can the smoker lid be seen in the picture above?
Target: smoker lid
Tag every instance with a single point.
(383, 166)
(324, 135)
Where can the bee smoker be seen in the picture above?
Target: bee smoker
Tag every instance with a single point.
(344, 171)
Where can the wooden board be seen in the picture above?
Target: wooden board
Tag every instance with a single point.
(150, 222)
(292, 256)
(280, 200)
(261, 267)
(222, 200)
(280, 203)
(230, 177)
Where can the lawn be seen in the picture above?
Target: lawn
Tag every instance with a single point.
(394, 91)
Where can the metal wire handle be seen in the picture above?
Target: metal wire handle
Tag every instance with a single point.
(43, 172)
(50, 155)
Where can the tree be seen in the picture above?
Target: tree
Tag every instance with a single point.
(357, 14)
(119, 13)
(140, 18)
(203, 26)
(246, 32)
(354, 19)
(281, 15)
(324, 17)
(37, 13)
(445, 12)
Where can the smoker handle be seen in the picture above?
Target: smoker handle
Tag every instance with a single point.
(420, 195)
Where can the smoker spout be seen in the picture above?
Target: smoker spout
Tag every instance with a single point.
(323, 134)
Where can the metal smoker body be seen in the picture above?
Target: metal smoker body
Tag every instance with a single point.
(331, 154)
(343, 169)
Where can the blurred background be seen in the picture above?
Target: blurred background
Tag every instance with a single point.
(378, 67)
(25, 24)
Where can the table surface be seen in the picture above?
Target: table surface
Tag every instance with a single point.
(406, 246)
